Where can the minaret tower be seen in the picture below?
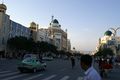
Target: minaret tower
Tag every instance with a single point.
(3, 7)
(52, 18)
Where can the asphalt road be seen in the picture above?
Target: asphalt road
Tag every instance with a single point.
(56, 70)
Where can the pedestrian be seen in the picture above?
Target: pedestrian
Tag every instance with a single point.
(72, 61)
(86, 65)
(40, 57)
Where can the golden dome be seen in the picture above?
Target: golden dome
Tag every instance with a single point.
(33, 25)
(3, 7)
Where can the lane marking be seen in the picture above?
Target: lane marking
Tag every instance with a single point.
(13, 77)
(29, 78)
(4, 72)
(3, 75)
(50, 77)
(65, 78)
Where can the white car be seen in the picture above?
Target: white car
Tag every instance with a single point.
(31, 64)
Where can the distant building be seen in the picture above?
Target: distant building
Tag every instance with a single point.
(68, 45)
(17, 29)
(4, 27)
(9, 28)
(33, 30)
(110, 41)
(57, 35)
(42, 35)
(54, 34)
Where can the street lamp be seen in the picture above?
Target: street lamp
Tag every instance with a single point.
(115, 31)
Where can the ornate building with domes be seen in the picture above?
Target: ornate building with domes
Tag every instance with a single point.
(10, 29)
(110, 41)
(57, 35)
(53, 34)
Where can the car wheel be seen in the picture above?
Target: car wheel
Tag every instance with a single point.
(44, 68)
(22, 71)
(34, 70)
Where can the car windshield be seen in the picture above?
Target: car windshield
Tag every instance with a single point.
(29, 56)
(29, 60)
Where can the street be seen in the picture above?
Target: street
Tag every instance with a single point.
(57, 69)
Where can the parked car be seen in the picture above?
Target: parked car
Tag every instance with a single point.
(31, 64)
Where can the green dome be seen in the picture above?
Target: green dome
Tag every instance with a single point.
(55, 21)
(108, 33)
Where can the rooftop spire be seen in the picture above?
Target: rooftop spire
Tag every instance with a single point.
(52, 18)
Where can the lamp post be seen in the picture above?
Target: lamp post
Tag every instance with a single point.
(115, 31)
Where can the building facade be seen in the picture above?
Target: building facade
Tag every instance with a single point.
(33, 31)
(68, 45)
(54, 34)
(57, 35)
(42, 35)
(9, 28)
(17, 29)
(4, 26)
(110, 41)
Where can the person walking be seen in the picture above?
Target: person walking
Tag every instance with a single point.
(86, 65)
(72, 61)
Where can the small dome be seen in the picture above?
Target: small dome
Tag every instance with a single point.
(33, 23)
(108, 33)
(55, 21)
(3, 7)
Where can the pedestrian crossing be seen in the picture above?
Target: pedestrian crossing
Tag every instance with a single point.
(30, 78)
(13, 77)
(50, 77)
(65, 78)
(16, 75)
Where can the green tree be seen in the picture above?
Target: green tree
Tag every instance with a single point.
(104, 52)
(21, 43)
(45, 47)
